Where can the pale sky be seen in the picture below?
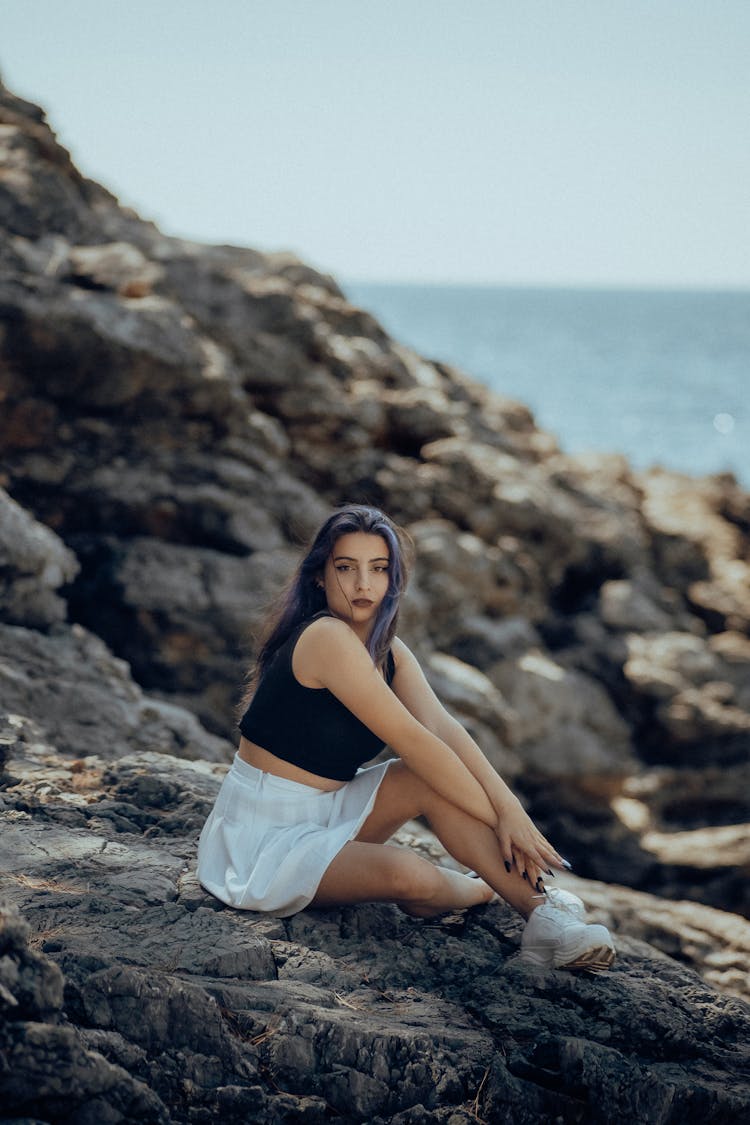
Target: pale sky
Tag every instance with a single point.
(536, 142)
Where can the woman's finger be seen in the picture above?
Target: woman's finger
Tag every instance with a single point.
(548, 852)
(532, 867)
(533, 854)
(528, 866)
(548, 856)
(506, 850)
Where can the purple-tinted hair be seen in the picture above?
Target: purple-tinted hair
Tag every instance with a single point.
(303, 597)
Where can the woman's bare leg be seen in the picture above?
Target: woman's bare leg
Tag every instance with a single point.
(368, 872)
(403, 795)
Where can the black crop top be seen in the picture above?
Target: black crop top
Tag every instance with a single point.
(308, 727)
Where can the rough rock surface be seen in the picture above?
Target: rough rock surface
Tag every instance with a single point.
(176, 1008)
(174, 419)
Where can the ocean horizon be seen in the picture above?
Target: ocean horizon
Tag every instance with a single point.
(660, 375)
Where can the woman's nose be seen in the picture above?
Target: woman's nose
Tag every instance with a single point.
(363, 581)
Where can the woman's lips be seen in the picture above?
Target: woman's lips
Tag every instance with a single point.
(363, 602)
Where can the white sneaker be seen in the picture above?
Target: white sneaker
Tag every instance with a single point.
(567, 900)
(556, 937)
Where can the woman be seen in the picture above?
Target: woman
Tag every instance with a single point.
(298, 822)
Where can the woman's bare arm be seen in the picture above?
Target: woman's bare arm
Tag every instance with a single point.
(516, 830)
(330, 655)
(415, 692)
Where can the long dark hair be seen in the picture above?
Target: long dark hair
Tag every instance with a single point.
(304, 597)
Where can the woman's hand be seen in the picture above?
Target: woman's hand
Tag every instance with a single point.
(522, 844)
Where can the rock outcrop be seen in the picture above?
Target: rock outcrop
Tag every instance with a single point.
(132, 996)
(174, 420)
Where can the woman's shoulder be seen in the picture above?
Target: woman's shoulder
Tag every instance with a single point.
(305, 624)
(323, 623)
(325, 646)
(323, 629)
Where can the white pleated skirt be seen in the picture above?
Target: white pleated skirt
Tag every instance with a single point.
(268, 840)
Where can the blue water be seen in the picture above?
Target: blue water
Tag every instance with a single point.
(663, 377)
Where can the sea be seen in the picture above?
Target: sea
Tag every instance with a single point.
(661, 376)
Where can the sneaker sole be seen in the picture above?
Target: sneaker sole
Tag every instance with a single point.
(593, 960)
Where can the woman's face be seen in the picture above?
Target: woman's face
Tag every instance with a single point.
(355, 579)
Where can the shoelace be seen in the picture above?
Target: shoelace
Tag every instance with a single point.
(566, 907)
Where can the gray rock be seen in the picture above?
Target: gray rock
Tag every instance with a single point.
(48, 1072)
(624, 606)
(115, 265)
(699, 696)
(34, 564)
(362, 1009)
(84, 700)
(567, 725)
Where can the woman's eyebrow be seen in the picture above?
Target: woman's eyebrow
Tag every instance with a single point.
(350, 558)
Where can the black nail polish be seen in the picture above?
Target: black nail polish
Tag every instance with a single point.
(525, 876)
(507, 866)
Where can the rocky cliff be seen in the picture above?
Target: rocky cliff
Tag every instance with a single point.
(174, 419)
